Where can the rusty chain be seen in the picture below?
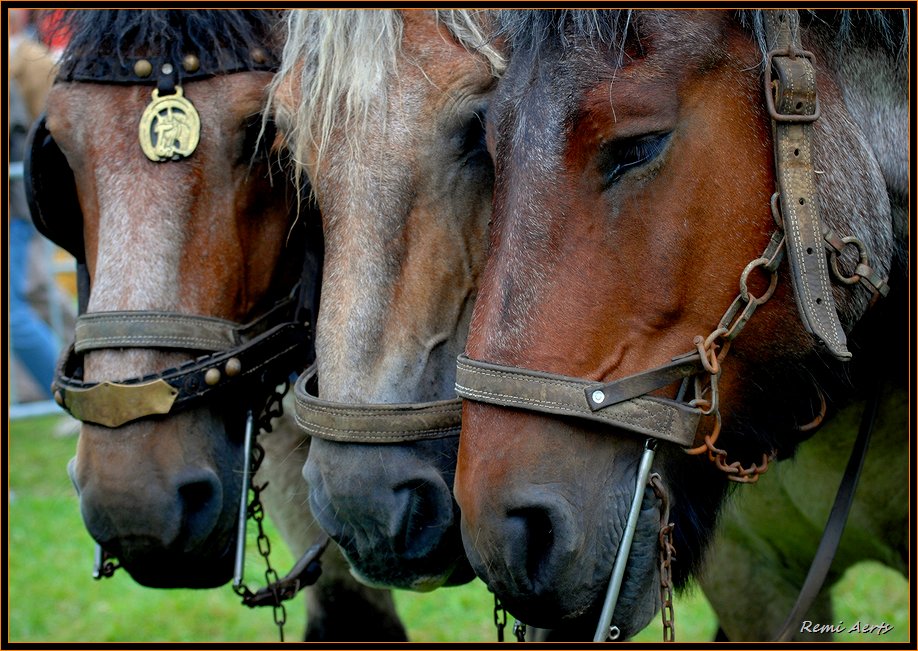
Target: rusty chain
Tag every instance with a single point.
(713, 350)
(667, 556)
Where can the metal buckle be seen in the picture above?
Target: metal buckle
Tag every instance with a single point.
(792, 53)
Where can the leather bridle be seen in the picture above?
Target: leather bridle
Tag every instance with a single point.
(801, 236)
(261, 353)
(372, 423)
(625, 404)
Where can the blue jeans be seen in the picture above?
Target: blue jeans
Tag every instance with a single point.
(32, 340)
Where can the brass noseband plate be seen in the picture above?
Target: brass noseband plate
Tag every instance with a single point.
(170, 127)
(114, 405)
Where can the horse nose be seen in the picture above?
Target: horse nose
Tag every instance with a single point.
(176, 513)
(537, 537)
(422, 514)
(200, 498)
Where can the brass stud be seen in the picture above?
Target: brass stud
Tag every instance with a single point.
(59, 397)
(143, 68)
(259, 55)
(212, 377)
(191, 63)
(233, 367)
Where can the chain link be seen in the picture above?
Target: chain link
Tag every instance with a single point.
(713, 350)
(273, 409)
(667, 556)
(519, 631)
(500, 618)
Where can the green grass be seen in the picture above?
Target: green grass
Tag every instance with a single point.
(52, 597)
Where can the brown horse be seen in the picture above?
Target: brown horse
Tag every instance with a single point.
(185, 226)
(635, 177)
(384, 112)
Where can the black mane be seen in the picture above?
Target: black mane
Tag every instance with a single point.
(534, 29)
(217, 37)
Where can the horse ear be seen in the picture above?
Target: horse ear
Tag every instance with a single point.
(51, 191)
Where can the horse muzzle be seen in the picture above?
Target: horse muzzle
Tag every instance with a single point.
(380, 478)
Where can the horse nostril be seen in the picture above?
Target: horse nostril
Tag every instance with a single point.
(201, 500)
(420, 518)
(532, 534)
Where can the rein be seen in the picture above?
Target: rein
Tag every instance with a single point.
(625, 404)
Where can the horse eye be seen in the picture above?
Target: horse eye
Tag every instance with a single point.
(619, 156)
(469, 140)
(257, 144)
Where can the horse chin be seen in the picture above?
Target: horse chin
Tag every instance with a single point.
(178, 570)
(422, 575)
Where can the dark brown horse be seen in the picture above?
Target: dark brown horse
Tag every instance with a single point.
(635, 160)
(153, 166)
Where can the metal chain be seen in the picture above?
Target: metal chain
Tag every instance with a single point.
(500, 618)
(713, 350)
(667, 556)
(273, 409)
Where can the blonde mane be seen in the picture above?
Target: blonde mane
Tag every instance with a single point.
(342, 60)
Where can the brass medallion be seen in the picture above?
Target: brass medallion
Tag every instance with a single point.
(169, 127)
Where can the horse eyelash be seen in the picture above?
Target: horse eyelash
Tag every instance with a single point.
(621, 156)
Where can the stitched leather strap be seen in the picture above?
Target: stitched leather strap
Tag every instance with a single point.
(169, 330)
(262, 362)
(508, 386)
(145, 329)
(790, 93)
(640, 384)
(372, 423)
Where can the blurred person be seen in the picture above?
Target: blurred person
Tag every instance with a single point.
(33, 341)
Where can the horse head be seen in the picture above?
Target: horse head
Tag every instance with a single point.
(383, 110)
(635, 222)
(183, 224)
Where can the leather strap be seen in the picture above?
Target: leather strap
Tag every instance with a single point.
(835, 525)
(265, 361)
(168, 330)
(372, 423)
(790, 92)
(112, 70)
(640, 384)
(508, 386)
(147, 329)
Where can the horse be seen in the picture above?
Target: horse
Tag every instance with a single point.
(637, 158)
(195, 297)
(383, 111)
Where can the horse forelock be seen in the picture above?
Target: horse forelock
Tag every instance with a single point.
(217, 37)
(340, 62)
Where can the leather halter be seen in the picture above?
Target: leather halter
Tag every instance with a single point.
(260, 354)
(372, 423)
(790, 91)
(253, 356)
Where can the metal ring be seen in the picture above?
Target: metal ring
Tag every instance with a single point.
(833, 261)
(744, 277)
